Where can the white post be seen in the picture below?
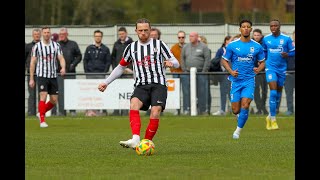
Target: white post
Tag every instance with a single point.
(193, 91)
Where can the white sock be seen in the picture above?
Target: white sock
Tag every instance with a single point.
(273, 118)
(136, 138)
(238, 130)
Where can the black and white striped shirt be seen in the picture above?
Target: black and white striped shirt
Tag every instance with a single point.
(47, 55)
(147, 61)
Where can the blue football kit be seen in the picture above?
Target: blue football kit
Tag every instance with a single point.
(243, 56)
(276, 65)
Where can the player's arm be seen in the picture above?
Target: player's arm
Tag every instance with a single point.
(62, 64)
(225, 61)
(33, 63)
(261, 66)
(226, 65)
(170, 61)
(116, 73)
(261, 61)
(291, 47)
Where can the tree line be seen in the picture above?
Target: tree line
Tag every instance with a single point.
(110, 12)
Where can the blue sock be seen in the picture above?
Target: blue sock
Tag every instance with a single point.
(243, 117)
(273, 102)
(278, 99)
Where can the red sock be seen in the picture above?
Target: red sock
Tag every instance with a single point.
(135, 122)
(152, 129)
(42, 110)
(49, 106)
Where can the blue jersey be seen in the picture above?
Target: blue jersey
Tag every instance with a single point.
(273, 46)
(243, 56)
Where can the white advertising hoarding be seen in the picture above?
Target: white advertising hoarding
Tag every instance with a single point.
(84, 94)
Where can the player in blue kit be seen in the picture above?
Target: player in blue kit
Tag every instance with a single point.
(277, 47)
(242, 54)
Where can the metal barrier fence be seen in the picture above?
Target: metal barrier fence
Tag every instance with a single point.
(214, 91)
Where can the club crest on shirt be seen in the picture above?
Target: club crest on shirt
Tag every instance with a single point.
(281, 41)
(251, 49)
(155, 50)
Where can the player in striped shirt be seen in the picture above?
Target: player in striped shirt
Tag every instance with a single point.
(44, 57)
(149, 58)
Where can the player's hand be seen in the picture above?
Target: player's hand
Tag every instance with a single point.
(31, 83)
(63, 71)
(235, 73)
(256, 70)
(284, 54)
(168, 64)
(102, 87)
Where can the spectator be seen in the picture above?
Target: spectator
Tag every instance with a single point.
(176, 51)
(97, 59)
(55, 37)
(46, 72)
(73, 57)
(155, 33)
(205, 41)
(196, 54)
(289, 85)
(32, 98)
(222, 79)
(116, 55)
(261, 87)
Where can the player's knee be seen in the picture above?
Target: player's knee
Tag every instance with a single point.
(235, 110)
(273, 93)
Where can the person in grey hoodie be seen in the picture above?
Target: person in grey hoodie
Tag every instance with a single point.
(196, 54)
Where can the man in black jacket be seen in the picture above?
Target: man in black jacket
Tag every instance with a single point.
(116, 55)
(73, 56)
(97, 59)
(32, 100)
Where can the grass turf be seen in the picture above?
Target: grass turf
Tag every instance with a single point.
(186, 148)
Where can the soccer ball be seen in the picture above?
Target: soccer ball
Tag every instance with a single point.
(145, 147)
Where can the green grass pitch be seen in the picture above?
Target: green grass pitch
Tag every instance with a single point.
(186, 148)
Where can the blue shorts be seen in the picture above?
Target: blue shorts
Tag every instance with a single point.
(274, 76)
(242, 89)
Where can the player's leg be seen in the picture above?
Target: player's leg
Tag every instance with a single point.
(280, 83)
(235, 93)
(139, 100)
(246, 96)
(158, 104)
(53, 91)
(272, 83)
(43, 92)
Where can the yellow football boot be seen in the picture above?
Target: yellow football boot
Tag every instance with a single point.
(268, 120)
(274, 125)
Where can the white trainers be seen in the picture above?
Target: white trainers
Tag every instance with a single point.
(235, 135)
(38, 115)
(219, 113)
(129, 144)
(43, 125)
